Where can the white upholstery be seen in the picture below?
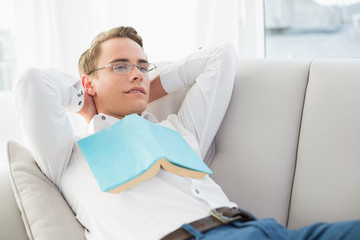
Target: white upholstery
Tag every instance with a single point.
(257, 146)
(259, 136)
(288, 148)
(326, 185)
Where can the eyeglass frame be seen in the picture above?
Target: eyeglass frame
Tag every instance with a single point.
(132, 65)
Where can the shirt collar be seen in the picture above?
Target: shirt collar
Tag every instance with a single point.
(102, 121)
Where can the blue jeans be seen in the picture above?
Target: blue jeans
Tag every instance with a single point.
(269, 229)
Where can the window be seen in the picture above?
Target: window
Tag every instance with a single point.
(6, 60)
(7, 53)
(312, 28)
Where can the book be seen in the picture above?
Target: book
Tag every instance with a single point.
(134, 149)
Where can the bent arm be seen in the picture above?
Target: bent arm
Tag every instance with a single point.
(42, 97)
(210, 74)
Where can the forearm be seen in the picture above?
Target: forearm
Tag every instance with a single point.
(156, 89)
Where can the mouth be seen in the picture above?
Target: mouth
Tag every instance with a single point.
(136, 90)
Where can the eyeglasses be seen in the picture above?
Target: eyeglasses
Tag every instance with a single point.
(125, 67)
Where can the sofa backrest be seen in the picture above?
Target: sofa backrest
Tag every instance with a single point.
(328, 162)
(288, 145)
(257, 141)
(259, 136)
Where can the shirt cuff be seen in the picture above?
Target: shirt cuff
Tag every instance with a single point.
(76, 98)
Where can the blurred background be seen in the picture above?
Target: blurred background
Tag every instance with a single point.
(54, 33)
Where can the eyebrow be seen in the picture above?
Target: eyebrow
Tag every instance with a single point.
(127, 60)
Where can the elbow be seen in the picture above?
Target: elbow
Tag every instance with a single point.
(32, 84)
(29, 81)
(227, 60)
(228, 55)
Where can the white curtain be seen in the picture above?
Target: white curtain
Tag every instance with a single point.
(53, 33)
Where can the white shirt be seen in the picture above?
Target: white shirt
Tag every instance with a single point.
(158, 206)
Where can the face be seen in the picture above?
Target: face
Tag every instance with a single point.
(117, 94)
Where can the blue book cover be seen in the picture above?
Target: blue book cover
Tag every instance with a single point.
(132, 150)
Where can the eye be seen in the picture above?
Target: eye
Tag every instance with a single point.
(144, 67)
(119, 67)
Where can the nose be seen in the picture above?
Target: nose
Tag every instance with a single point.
(136, 74)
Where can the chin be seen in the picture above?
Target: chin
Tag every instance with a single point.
(138, 110)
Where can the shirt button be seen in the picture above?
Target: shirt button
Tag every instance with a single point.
(103, 117)
(197, 191)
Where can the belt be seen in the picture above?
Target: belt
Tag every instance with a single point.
(218, 217)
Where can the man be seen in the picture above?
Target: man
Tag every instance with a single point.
(115, 83)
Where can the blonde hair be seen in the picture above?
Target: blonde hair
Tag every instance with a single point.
(88, 59)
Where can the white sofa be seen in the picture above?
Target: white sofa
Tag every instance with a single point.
(288, 148)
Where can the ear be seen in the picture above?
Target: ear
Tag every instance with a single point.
(88, 84)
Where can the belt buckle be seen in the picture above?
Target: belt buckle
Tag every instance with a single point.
(223, 219)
